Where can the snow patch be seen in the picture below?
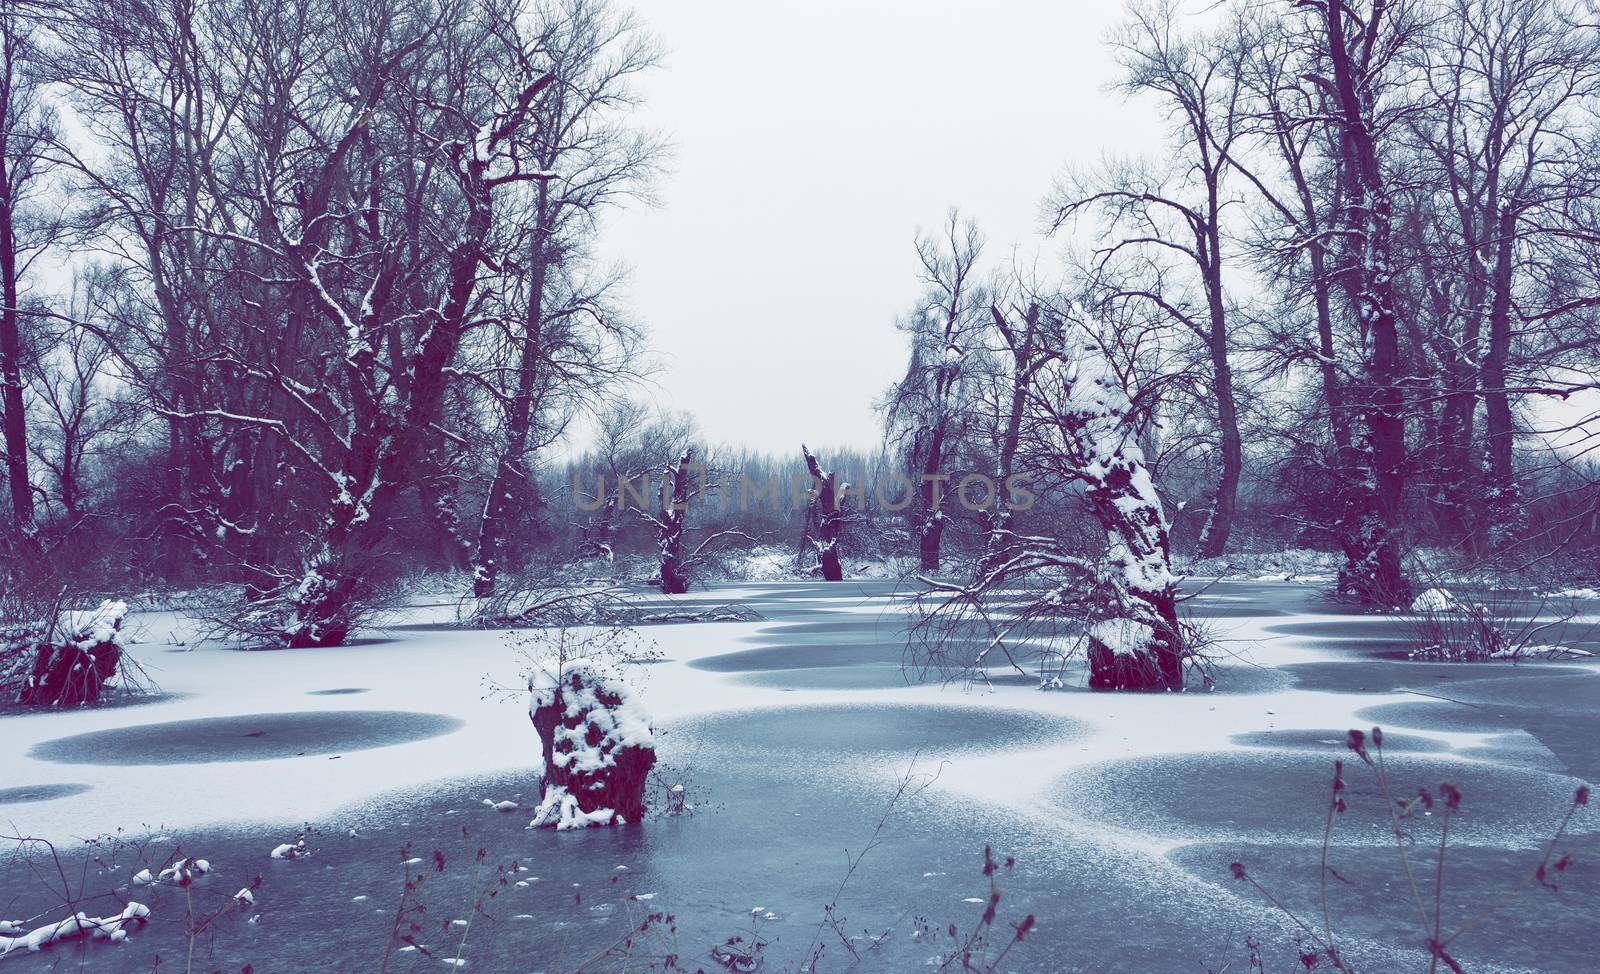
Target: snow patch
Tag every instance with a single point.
(560, 810)
(1436, 600)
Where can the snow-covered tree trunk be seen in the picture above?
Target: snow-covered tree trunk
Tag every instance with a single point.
(597, 743)
(1136, 643)
(830, 517)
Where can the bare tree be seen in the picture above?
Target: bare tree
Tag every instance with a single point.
(1166, 221)
(1510, 87)
(1025, 339)
(1328, 92)
(567, 335)
(1295, 248)
(145, 91)
(925, 411)
(77, 419)
(1360, 49)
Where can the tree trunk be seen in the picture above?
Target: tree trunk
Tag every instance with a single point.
(1152, 619)
(830, 518)
(1353, 486)
(1457, 473)
(435, 490)
(1022, 367)
(928, 541)
(596, 540)
(1501, 501)
(11, 407)
(1208, 251)
(674, 578)
(1373, 571)
(1224, 504)
(930, 495)
(520, 417)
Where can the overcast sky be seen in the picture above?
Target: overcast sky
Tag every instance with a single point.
(812, 140)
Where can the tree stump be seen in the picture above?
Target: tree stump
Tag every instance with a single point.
(597, 743)
(830, 517)
(74, 669)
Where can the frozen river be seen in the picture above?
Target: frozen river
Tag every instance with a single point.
(791, 735)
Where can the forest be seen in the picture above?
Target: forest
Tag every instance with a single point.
(301, 299)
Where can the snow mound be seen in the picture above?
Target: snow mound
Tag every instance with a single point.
(1436, 600)
(767, 562)
(183, 872)
(1554, 651)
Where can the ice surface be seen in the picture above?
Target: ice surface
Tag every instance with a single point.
(438, 671)
(1109, 778)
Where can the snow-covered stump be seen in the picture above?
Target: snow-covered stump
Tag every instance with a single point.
(319, 607)
(597, 742)
(72, 668)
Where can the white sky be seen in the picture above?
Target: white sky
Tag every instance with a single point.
(813, 139)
